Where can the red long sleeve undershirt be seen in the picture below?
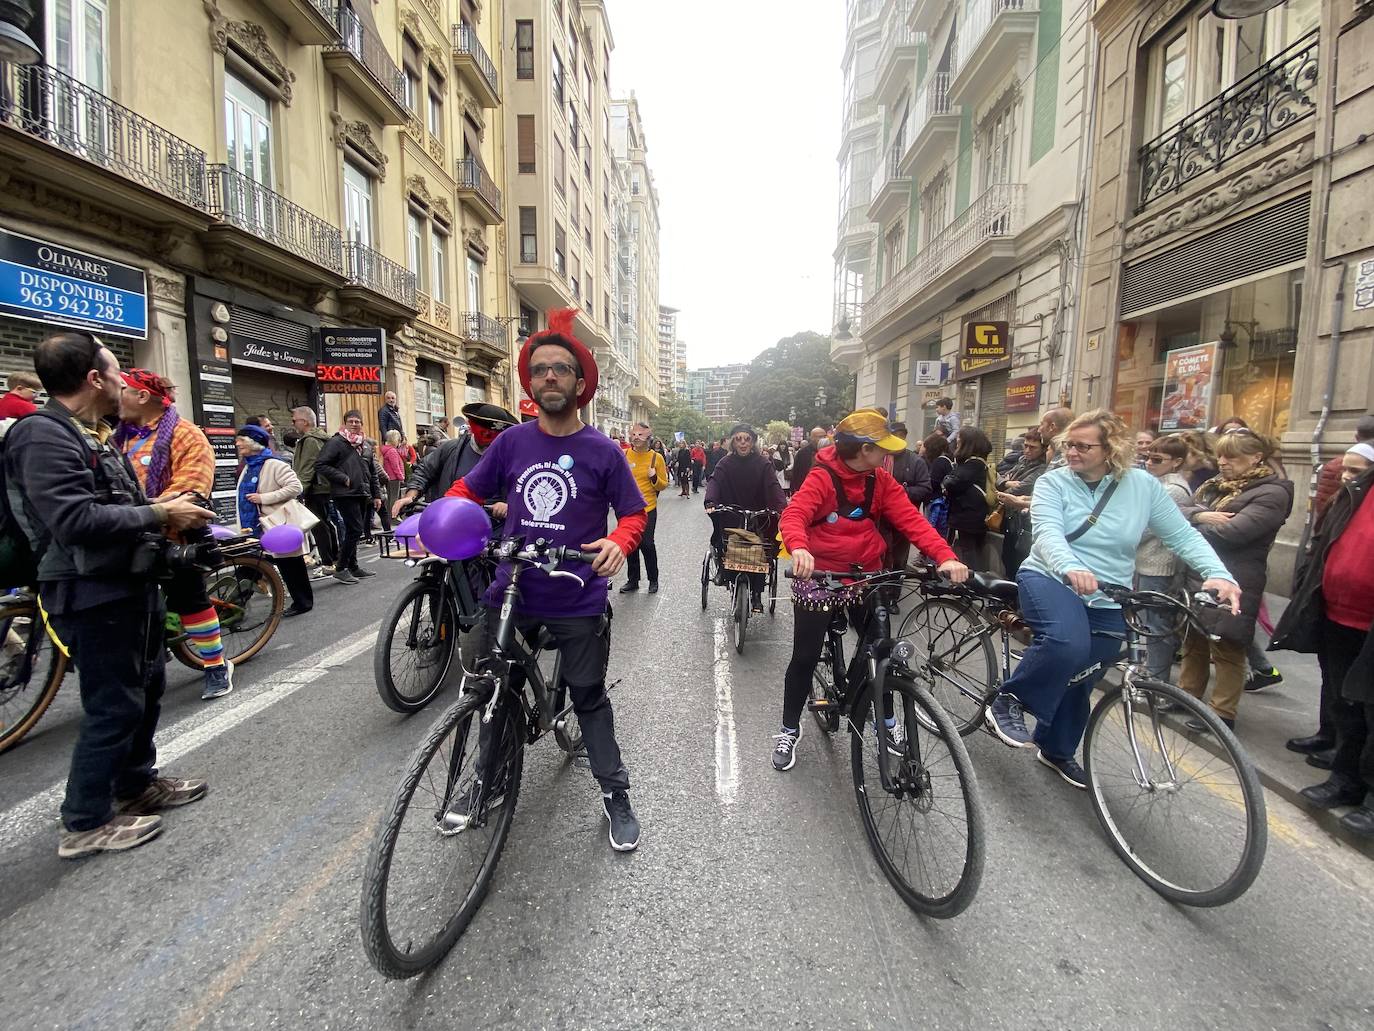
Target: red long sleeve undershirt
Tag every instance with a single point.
(628, 531)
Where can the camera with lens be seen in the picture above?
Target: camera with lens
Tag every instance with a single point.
(157, 558)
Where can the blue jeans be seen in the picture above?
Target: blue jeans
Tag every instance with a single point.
(1159, 651)
(1064, 646)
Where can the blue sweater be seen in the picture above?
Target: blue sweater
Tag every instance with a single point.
(1062, 502)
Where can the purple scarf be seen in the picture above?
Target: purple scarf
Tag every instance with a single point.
(160, 468)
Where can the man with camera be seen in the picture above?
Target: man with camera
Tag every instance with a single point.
(98, 542)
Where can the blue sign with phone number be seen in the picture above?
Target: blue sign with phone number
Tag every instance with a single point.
(47, 282)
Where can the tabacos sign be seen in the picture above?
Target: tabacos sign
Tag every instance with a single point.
(351, 361)
(985, 344)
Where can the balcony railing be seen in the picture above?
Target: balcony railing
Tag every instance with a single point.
(51, 106)
(896, 33)
(932, 99)
(465, 42)
(366, 268)
(370, 52)
(472, 176)
(473, 325)
(981, 15)
(238, 200)
(998, 213)
(1278, 94)
(889, 170)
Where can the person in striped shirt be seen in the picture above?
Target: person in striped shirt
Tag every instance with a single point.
(171, 457)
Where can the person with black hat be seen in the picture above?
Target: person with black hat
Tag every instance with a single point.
(560, 480)
(745, 479)
(453, 459)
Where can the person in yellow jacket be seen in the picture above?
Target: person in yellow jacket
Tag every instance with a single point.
(651, 473)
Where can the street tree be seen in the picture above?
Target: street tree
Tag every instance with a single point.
(777, 431)
(675, 416)
(789, 378)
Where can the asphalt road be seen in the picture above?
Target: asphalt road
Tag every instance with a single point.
(752, 901)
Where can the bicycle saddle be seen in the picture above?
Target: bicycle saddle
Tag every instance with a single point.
(1004, 591)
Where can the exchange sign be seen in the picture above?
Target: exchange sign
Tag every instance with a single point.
(351, 361)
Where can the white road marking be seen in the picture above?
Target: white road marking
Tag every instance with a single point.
(727, 767)
(39, 811)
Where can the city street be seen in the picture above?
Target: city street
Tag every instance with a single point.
(753, 900)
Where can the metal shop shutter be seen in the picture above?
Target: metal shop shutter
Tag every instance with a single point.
(1270, 238)
(992, 410)
(257, 392)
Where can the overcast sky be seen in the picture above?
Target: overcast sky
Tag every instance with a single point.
(741, 109)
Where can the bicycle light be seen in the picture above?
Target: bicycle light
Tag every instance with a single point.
(904, 651)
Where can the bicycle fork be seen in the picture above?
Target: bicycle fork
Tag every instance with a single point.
(1132, 696)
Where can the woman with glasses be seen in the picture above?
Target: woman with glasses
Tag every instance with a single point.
(1014, 493)
(1156, 567)
(1088, 518)
(1239, 511)
(745, 479)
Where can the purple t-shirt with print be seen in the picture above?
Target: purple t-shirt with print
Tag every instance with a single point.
(560, 489)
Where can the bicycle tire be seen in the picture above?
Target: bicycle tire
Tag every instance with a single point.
(705, 580)
(13, 730)
(418, 595)
(828, 719)
(949, 899)
(739, 613)
(220, 580)
(954, 658)
(395, 959)
(1210, 826)
(772, 587)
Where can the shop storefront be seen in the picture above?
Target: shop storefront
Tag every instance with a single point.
(1193, 363)
(431, 404)
(983, 368)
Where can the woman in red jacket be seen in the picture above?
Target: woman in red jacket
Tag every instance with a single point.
(832, 524)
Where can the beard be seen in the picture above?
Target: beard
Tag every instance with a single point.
(553, 400)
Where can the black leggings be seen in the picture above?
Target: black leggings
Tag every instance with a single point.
(809, 627)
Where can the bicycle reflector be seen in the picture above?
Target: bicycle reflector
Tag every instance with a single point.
(454, 528)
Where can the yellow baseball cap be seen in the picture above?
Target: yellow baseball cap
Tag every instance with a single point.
(869, 426)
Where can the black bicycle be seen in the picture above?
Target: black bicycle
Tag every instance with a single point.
(1183, 809)
(442, 834)
(744, 555)
(913, 778)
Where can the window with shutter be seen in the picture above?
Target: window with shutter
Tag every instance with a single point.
(525, 142)
(529, 226)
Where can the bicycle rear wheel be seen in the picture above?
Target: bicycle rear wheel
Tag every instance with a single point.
(954, 659)
(423, 882)
(739, 612)
(31, 671)
(247, 594)
(1197, 837)
(927, 833)
(415, 648)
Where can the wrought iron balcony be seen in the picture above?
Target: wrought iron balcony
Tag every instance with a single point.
(50, 106)
(361, 60)
(479, 189)
(310, 21)
(998, 213)
(474, 326)
(897, 52)
(891, 186)
(932, 116)
(238, 201)
(1278, 94)
(989, 37)
(371, 271)
(471, 58)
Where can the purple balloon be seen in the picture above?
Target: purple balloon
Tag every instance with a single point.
(454, 528)
(407, 527)
(282, 540)
(221, 533)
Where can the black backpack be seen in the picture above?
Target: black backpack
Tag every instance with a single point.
(844, 508)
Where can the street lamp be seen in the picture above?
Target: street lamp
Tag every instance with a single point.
(15, 45)
(792, 416)
(820, 398)
(842, 333)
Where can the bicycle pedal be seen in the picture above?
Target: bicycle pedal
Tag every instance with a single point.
(819, 705)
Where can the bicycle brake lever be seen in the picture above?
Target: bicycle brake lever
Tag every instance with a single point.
(570, 576)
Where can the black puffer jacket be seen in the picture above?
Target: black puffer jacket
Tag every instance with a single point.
(965, 489)
(1243, 545)
(351, 474)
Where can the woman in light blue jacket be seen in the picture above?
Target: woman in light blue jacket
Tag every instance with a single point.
(1088, 517)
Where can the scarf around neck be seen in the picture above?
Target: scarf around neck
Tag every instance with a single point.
(159, 467)
(249, 513)
(1218, 492)
(356, 439)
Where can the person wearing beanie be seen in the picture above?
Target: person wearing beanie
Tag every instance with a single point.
(266, 494)
(745, 479)
(561, 480)
(346, 461)
(171, 456)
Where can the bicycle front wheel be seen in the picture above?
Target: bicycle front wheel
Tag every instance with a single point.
(1185, 811)
(440, 838)
(954, 658)
(739, 613)
(705, 579)
(247, 595)
(415, 647)
(927, 827)
(31, 671)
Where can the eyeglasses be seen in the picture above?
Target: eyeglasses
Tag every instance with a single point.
(559, 369)
(1154, 457)
(1080, 446)
(1238, 431)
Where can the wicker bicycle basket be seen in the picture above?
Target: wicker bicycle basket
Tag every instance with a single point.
(744, 552)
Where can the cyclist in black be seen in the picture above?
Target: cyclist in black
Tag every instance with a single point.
(745, 479)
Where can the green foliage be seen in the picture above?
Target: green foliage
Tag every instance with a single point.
(777, 431)
(786, 378)
(676, 415)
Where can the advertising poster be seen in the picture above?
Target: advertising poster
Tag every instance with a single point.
(1189, 388)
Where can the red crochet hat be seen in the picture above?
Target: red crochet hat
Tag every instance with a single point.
(560, 334)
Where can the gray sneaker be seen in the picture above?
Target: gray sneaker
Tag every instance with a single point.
(344, 576)
(785, 749)
(362, 571)
(219, 681)
(122, 831)
(1007, 720)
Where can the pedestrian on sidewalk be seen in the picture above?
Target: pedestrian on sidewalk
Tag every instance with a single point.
(652, 476)
(698, 465)
(346, 461)
(1014, 494)
(267, 491)
(314, 487)
(682, 462)
(389, 415)
(1329, 480)
(1239, 512)
(965, 490)
(1156, 567)
(1331, 613)
(947, 420)
(18, 402)
(394, 466)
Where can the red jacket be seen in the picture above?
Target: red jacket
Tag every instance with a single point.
(12, 406)
(699, 455)
(839, 544)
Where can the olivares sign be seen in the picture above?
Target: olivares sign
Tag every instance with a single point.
(351, 361)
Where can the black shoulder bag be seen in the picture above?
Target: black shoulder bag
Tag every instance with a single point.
(1091, 521)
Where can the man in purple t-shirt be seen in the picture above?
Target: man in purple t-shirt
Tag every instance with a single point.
(560, 480)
